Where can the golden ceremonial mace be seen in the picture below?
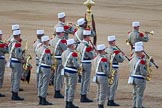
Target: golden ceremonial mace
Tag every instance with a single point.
(89, 18)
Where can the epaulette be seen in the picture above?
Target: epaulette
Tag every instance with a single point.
(88, 49)
(2, 45)
(104, 60)
(48, 51)
(129, 32)
(116, 52)
(142, 62)
(74, 54)
(63, 41)
(17, 45)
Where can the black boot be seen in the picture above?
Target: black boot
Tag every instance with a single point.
(71, 105)
(66, 106)
(58, 95)
(100, 106)
(2, 95)
(44, 101)
(84, 99)
(16, 97)
(112, 103)
(79, 78)
(40, 99)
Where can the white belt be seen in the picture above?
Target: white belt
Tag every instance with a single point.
(57, 56)
(2, 57)
(116, 66)
(70, 69)
(14, 59)
(138, 76)
(42, 64)
(86, 61)
(100, 73)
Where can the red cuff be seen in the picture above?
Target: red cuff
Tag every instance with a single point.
(74, 31)
(66, 27)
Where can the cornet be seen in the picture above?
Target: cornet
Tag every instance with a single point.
(151, 32)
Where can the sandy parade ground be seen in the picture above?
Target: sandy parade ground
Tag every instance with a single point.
(111, 16)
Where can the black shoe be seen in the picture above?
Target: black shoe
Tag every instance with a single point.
(2, 95)
(112, 103)
(44, 102)
(21, 89)
(84, 99)
(58, 95)
(16, 97)
(79, 78)
(71, 105)
(100, 106)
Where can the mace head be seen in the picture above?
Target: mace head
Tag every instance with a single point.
(89, 4)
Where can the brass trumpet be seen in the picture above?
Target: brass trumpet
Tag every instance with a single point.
(151, 32)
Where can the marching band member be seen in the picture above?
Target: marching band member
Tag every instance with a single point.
(69, 29)
(102, 74)
(59, 45)
(118, 58)
(87, 54)
(82, 23)
(138, 70)
(135, 36)
(44, 70)
(14, 27)
(36, 45)
(82, 26)
(71, 66)
(16, 61)
(3, 51)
